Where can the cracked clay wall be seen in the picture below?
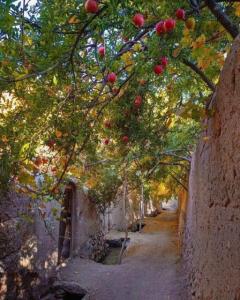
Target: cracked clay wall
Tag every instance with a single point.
(212, 236)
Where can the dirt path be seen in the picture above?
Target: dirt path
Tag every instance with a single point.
(150, 269)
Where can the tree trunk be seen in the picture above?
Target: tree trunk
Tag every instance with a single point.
(126, 221)
(141, 209)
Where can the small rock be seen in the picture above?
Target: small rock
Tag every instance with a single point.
(61, 288)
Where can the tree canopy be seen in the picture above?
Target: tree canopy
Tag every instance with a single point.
(90, 89)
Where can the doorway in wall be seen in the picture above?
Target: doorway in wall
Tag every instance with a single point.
(65, 225)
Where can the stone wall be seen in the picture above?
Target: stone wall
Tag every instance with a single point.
(28, 246)
(29, 241)
(213, 223)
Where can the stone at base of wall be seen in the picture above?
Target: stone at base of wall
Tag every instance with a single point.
(63, 289)
(95, 248)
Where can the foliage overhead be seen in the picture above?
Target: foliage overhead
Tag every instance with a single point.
(90, 89)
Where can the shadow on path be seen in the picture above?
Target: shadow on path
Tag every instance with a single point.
(150, 269)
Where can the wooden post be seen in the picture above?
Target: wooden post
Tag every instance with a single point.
(141, 209)
(108, 219)
(126, 221)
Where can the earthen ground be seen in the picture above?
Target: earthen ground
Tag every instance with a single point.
(150, 269)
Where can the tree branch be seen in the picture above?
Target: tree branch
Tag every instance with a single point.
(228, 1)
(83, 30)
(126, 47)
(222, 17)
(41, 73)
(178, 181)
(195, 4)
(208, 82)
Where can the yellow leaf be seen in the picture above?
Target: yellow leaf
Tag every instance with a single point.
(58, 133)
(129, 68)
(28, 40)
(4, 139)
(26, 178)
(55, 81)
(190, 23)
(4, 62)
(220, 58)
(91, 182)
(137, 47)
(127, 58)
(186, 32)
(200, 41)
(170, 123)
(237, 11)
(204, 62)
(73, 20)
(205, 59)
(186, 40)
(76, 171)
(176, 52)
(51, 92)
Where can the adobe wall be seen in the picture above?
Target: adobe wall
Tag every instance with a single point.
(29, 237)
(87, 231)
(28, 246)
(182, 215)
(120, 212)
(213, 220)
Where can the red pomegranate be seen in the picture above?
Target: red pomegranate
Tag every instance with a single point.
(164, 61)
(170, 24)
(101, 51)
(138, 101)
(125, 139)
(138, 20)
(160, 27)
(158, 69)
(180, 14)
(112, 77)
(91, 6)
(106, 141)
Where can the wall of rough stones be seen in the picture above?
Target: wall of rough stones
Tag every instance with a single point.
(28, 246)
(213, 222)
(29, 232)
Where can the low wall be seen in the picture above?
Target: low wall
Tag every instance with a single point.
(28, 246)
(29, 241)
